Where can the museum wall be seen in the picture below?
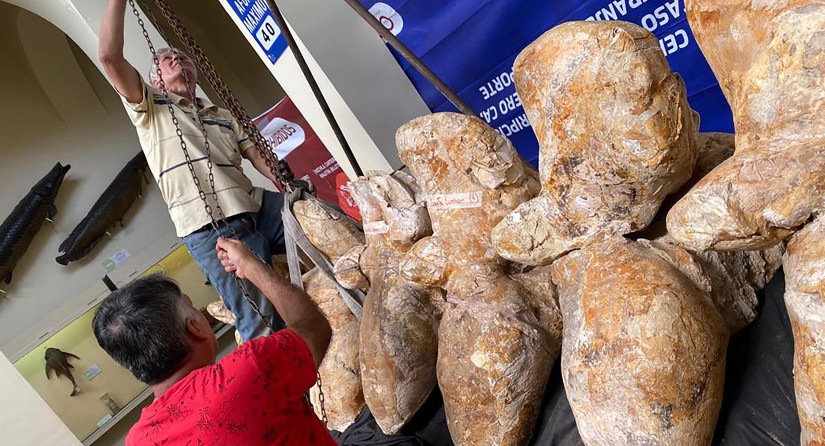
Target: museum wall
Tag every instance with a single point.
(81, 412)
(57, 107)
(26, 418)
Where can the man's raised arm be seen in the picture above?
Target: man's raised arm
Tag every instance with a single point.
(123, 75)
(295, 306)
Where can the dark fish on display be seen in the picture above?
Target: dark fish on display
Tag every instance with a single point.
(58, 361)
(20, 227)
(109, 209)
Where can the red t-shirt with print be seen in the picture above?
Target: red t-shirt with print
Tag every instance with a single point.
(254, 396)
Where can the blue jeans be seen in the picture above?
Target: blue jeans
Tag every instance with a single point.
(263, 232)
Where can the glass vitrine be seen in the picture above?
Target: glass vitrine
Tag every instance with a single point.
(106, 391)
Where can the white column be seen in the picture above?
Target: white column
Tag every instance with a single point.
(367, 91)
(25, 419)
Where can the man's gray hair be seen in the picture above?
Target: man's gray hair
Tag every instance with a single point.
(142, 326)
(153, 72)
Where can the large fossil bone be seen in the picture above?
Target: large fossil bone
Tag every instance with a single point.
(332, 234)
(497, 341)
(769, 58)
(616, 133)
(400, 326)
(805, 300)
(643, 357)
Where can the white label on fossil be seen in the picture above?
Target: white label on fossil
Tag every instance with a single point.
(463, 200)
(376, 227)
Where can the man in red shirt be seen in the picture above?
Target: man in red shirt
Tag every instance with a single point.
(254, 396)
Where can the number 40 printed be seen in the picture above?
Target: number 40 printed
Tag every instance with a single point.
(267, 33)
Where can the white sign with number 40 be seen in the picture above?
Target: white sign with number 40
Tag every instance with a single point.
(267, 33)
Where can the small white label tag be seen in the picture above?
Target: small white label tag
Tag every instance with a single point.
(103, 420)
(92, 372)
(120, 257)
(463, 200)
(376, 227)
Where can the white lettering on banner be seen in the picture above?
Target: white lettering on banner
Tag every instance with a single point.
(661, 16)
(284, 136)
(672, 43)
(496, 85)
(504, 106)
(617, 9)
(463, 200)
(327, 168)
(518, 124)
(490, 114)
(324, 166)
(376, 227)
(240, 5)
(509, 104)
(258, 10)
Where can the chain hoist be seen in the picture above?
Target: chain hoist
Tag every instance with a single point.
(279, 169)
(240, 114)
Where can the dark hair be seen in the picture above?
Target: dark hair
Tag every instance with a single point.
(142, 326)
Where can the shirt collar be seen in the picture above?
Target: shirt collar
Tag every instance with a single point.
(204, 103)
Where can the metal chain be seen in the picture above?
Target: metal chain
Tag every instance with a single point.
(321, 399)
(175, 121)
(240, 114)
(213, 222)
(223, 91)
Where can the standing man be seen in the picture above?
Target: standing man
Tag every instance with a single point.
(253, 214)
(252, 397)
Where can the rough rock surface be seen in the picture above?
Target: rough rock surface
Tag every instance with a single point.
(616, 134)
(643, 356)
(805, 300)
(329, 231)
(768, 57)
(333, 234)
(731, 279)
(400, 325)
(340, 376)
(218, 310)
(496, 341)
(712, 149)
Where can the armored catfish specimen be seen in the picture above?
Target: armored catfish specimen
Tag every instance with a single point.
(109, 209)
(643, 356)
(399, 330)
(616, 134)
(57, 361)
(805, 299)
(495, 349)
(332, 234)
(20, 227)
(769, 59)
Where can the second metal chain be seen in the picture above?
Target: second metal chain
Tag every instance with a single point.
(223, 91)
(261, 143)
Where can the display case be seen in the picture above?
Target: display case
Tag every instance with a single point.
(107, 391)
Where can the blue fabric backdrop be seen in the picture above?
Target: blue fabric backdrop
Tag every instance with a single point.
(471, 45)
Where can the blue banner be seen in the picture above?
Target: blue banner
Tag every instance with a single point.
(472, 44)
(260, 24)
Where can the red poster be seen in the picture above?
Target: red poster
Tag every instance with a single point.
(293, 140)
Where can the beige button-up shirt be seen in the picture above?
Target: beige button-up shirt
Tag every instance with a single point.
(160, 142)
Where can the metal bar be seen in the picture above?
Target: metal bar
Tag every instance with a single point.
(299, 57)
(417, 63)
